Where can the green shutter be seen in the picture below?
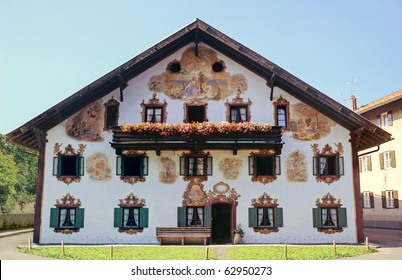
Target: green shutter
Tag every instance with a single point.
(56, 166)
(316, 166)
(79, 217)
(340, 166)
(277, 165)
(80, 166)
(144, 214)
(183, 166)
(252, 217)
(181, 217)
(118, 217)
(119, 165)
(316, 217)
(207, 216)
(342, 217)
(54, 217)
(209, 166)
(278, 217)
(251, 165)
(144, 166)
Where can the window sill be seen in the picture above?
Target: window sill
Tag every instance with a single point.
(132, 179)
(66, 230)
(263, 179)
(201, 178)
(131, 230)
(266, 230)
(69, 179)
(329, 179)
(330, 230)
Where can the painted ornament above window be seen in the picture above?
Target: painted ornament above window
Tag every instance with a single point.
(198, 75)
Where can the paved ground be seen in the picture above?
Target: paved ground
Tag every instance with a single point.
(389, 244)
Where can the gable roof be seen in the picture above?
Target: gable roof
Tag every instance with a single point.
(380, 102)
(368, 134)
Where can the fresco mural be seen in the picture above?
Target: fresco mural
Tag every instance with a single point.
(308, 124)
(198, 77)
(168, 173)
(98, 167)
(87, 124)
(296, 167)
(230, 167)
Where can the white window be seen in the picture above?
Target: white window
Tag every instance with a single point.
(368, 200)
(329, 217)
(387, 160)
(365, 164)
(385, 119)
(389, 199)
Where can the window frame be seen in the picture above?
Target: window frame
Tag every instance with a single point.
(55, 219)
(253, 165)
(61, 159)
(243, 118)
(337, 167)
(365, 164)
(121, 162)
(282, 104)
(182, 216)
(368, 200)
(154, 108)
(188, 107)
(112, 103)
(385, 120)
(277, 219)
(390, 199)
(341, 218)
(185, 165)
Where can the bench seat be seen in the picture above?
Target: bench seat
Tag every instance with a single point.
(181, 233)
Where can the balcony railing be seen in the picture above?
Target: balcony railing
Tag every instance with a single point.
(197, 136)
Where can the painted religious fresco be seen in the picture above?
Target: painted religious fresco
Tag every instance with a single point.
(231, 168)
(307, 123)
(198, 75)
(98, 167)
(296, 167)
(87, 124)
(168, 173)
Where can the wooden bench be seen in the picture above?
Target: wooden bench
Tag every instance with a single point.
(181, 233)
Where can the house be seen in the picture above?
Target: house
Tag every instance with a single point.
(380, 167)
(190, 138)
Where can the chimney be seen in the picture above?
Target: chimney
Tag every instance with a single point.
(353, 102)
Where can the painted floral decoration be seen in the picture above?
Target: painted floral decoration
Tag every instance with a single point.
(195, 128)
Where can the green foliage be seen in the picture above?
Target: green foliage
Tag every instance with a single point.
(295, 252)
(13, 226)
(18, 175)
(122, 252)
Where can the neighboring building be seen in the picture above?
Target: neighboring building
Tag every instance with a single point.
(193, 136)
(381, 167)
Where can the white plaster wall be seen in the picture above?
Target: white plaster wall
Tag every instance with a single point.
(100, 198)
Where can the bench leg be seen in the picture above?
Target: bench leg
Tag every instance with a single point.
(205, 241)
(182, 241)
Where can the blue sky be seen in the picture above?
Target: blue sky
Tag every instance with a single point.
(50, 49)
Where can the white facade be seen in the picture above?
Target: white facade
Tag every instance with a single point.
(297, 199)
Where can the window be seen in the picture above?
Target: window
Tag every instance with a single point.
(390, 199)
(131, 217)
(238, 114)
(66, 218)
(195, 113)
(264, 165)
(154, 115)
(281, 112)
(365, 164)
(265, 217)
(132, 165)
(387, 160)
(368, 200)
(68, 166)
(328, 166)
(196, 165)
(326, 218)
(111, 113)
(194, 216)
(385, 120)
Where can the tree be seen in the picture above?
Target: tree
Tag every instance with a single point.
(25, 161)
(8, 180)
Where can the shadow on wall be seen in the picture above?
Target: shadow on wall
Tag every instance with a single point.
(383, 213)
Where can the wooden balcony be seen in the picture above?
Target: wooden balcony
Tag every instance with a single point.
(123, 140)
